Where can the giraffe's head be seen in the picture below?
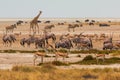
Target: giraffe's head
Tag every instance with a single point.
(40, 11)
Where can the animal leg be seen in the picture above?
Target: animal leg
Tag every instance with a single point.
(56, 57)
(35, 57)
(41, 59)
(63, 58)
(38, 28)
(31, 27)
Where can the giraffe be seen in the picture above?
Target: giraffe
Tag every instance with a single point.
(34, 23)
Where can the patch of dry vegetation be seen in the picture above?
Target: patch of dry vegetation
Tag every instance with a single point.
(89, 60)
(50, 72)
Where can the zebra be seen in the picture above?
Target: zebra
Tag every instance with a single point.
(72, 26)
(10, 28)
(49, 27)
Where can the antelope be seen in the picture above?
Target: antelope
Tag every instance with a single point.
(72, 26)
(41, 54)
(100, 56)
(57, 54)
(36, 54)
(8, 39)
(49, 27)
(108, 43)
(11, 27)
(17, 34)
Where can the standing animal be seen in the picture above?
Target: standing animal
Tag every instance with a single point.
(91, 23)
(72, 26)
(47, 21)
(60, 54)
(41, 54)
(8, 39)
(28, 41)
(87, 20)
(104, 25)
(77, 21)
(37, 54)
(108, 44)
(83, 42)
(66, 44)
(49, 36)
(19, 22)
(38, 41)
(100, 56)
(10, 28)
(34, 23)
(49, 27)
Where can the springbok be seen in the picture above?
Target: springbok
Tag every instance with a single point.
(36, 54)
(100, 56)
(61, 54)
(41, 54)
(58, 54)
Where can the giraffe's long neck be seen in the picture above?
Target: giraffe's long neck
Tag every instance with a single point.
(36, 18)
(38, 15)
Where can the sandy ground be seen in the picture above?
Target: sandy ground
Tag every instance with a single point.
(9, 60)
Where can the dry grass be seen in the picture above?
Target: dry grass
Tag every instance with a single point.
(50, 72)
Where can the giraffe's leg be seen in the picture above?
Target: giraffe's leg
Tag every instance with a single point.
(34, 30)
(37, 27)
(30, 27)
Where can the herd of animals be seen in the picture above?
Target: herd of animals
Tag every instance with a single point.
(66, 41)
(49, 25)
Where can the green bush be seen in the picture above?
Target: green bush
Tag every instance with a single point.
(63, 50)
(27, 51)
(89, 57)
(59, 63)
(78, 55)
(9, 51)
